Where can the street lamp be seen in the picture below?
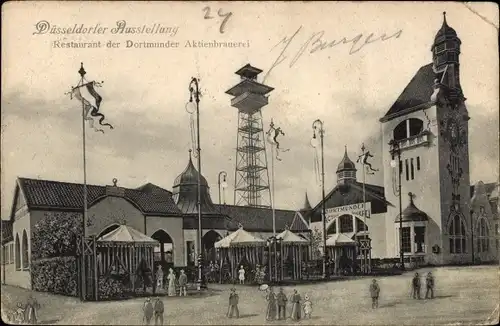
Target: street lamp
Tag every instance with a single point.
(396, 152)
(222, 185)
(194, 94)
(273, 243)
(472, 233)
(318, 126)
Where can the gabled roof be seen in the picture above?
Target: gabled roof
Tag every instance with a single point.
(46, 194)
(345, 194)
(416, 93)
(255, 219)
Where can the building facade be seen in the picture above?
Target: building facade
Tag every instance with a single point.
(171, 217)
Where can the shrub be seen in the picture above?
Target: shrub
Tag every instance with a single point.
(55, 235)
(111, 288)
(55, 275)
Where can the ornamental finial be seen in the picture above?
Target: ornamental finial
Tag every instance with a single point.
(115, 180)
(82, 71)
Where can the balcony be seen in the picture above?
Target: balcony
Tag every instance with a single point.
(249, 102)
(418, 140)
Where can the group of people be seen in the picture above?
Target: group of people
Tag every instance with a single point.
(276, 305)
(157, 309)
(416, 287)
(173, 282)
(28, 313)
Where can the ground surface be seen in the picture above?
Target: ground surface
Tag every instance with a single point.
(465, 295)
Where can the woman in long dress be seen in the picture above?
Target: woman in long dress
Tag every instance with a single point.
(171, 283)
(296, 315)
(271, 305)
(241, 273)
(307, 307)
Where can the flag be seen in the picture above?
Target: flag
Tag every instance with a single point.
(91, 100)
(272, 138)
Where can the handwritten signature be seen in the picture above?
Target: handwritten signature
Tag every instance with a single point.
(316, 43)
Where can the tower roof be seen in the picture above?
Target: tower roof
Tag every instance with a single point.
(307, 204)
(445, 31)
(189, 176)
(248, 71)
(412, 213)
(346, 163)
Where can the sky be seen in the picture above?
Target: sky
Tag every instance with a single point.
(145, 90)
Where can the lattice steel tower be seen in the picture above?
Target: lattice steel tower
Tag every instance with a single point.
(251, 176)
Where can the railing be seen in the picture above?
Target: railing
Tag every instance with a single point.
(413, 141)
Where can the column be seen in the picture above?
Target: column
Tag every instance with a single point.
(354, 222)
(412, 238)
(337, 225)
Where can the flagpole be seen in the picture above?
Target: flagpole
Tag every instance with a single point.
(82, 73)
(364, 203)
(274, 214)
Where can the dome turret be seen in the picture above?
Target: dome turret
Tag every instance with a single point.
(185, 191)
(346, 170)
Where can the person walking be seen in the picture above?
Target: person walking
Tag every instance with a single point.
(148, 311)
(233, 304)
(182, 283)
(271, 304)
(307, 307)
(296, 315)
(416, 286)
(158, 310)
(282, 300)
(429, 280)
(171, 283)
(159, 277)
(374, 293)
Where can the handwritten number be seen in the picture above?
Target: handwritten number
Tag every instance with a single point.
(221, 14)
(207, 13)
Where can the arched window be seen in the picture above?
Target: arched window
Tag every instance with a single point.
(18, 253)
(360, 225)
(26, 260)
(483, 244)
(456, 233)
(408, 128)
(346, 224)
(332, 229)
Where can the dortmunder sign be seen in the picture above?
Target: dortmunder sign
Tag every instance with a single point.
(354, 209)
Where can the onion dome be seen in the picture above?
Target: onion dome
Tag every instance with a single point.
(445, 32)
(412, 213)
(185, 191)
(346, 170)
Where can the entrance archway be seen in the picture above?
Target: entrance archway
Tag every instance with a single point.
(164, 251)
(209, 240)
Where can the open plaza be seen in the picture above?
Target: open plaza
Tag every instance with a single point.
(464, 295)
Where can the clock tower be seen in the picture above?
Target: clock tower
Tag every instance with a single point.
(428, 125)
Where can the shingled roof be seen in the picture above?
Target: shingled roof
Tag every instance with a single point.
(42, 194)
(416, 93)
(256, 219)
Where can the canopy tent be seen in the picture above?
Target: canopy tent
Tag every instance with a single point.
(238, 247)
(126, 251)
(240, 238)
(293, 253)
(342, 251)
(126, 234)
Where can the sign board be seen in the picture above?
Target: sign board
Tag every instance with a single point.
(355, 209)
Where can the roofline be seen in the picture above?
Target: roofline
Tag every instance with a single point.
(423, 106)
(253, 207)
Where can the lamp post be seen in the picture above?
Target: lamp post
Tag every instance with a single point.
(222, 184)
(318, 126)
(472, 233)
(396, 152)
(194, 93)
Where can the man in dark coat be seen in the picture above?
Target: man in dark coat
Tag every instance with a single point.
(281, 299)
(159, 309)
(148, 311)
(429, 280)
(416, 286)
(233, 304)
(374, 293)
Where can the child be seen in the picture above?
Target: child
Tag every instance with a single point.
(307, 307)
(242, 275)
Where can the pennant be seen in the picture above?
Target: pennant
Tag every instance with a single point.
(91, 102)
(363, 159)
(87, 108)
(272, 138)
